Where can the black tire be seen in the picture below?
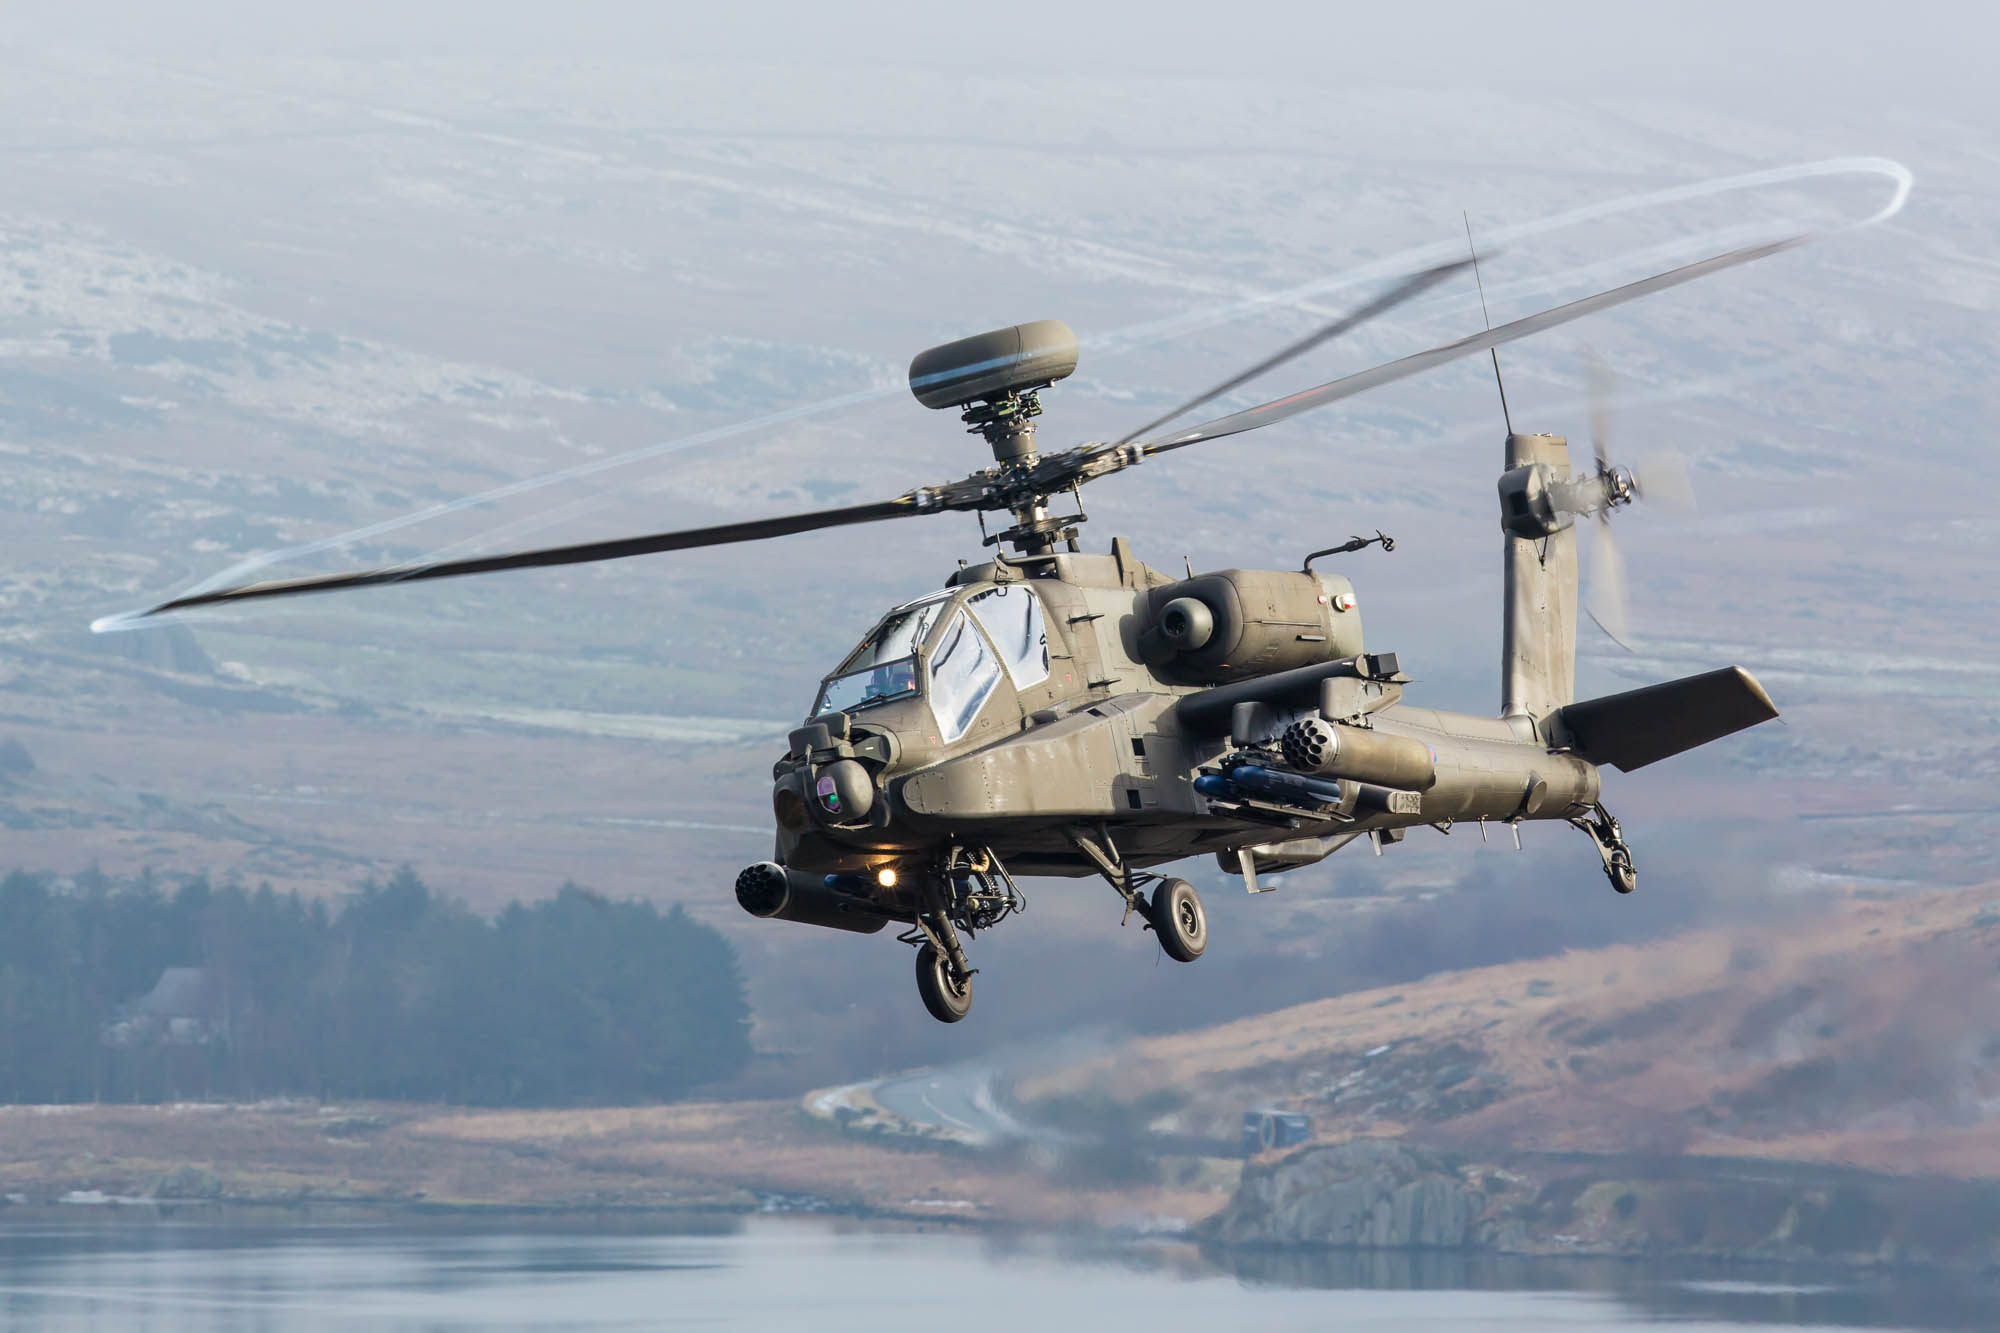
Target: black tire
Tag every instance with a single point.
(1624, 876)
(947, 1002)
(1179, 921)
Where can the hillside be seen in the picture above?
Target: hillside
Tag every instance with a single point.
(1823, 1088)
(1866, 1034)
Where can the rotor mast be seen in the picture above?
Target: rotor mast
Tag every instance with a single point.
(1007, 421)
(995, 380)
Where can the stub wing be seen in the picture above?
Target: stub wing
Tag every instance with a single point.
(1654, 722)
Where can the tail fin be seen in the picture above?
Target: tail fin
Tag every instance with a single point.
(1538, 639)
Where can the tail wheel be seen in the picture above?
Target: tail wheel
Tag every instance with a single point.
(1179, 921)
(946, 994)
(1620, 870)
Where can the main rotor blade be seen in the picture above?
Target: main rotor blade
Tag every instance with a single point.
(1389, 300)
(1284, 408)
(584, 553)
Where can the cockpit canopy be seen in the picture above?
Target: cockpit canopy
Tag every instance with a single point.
(950, 647)
(883, 666)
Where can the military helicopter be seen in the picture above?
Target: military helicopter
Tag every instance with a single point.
(1052, 712)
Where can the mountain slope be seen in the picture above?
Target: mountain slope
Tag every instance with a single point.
(1866, 1033)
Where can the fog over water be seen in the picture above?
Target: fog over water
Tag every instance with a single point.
(781, 1275)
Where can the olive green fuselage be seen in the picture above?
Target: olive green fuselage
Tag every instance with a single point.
(1107, 747)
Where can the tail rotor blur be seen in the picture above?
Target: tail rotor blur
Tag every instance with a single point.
(1609, 601)
(1661, 478)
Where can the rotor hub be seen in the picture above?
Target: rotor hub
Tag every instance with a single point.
(1007, 421)
(1038, 535)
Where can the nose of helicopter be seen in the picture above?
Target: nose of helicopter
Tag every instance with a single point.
(831, 776)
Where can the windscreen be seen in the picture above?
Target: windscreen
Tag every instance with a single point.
(884, 665)
(897, 636)
(1011, 615)
(963, 673)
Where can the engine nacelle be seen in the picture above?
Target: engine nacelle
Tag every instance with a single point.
(1237, 624)
(768, 890)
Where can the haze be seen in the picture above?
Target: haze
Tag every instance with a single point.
(271, 276)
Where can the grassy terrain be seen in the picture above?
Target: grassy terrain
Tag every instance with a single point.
(1861, 1035)
(726, 1155)
(1860, 1041)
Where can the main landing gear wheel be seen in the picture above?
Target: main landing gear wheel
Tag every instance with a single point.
(1179, 920)
(946, 994)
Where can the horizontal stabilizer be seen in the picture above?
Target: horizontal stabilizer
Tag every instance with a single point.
(1642, 726)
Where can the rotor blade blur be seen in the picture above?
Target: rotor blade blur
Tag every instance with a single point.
(1282, 409)
(584, 553)
(1609, 602)
(1411, 286)
(1662, 479)
(1602, 386)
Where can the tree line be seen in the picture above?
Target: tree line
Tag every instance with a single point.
(134, 991)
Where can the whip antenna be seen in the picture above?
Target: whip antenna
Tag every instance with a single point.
(1493, 351)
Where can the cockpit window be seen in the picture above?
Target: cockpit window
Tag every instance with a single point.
(884, 665)
(1012, 617)
(870, 685)
(963, 673)
(899, 634)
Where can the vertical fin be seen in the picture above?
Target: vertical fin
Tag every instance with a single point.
(1538, 634)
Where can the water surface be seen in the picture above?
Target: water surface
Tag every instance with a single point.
(781, 1274)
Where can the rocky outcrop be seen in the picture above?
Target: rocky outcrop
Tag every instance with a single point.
(1364, 1194)
(1380, 1194)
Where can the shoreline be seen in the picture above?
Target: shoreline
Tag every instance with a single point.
(721, 1215)
(720, 1219)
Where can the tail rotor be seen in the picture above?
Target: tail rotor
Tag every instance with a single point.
(1662, 478)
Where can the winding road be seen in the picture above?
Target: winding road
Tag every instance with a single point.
(952, 1097)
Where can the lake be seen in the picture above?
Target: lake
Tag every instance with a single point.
(783, 1273)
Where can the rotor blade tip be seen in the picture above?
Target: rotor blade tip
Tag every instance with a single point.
(1608, 631)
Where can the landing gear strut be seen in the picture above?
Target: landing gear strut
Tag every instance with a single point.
(1175, 913)
(1609, 839)
(968, 891)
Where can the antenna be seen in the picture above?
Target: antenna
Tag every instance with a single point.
(1493, 351)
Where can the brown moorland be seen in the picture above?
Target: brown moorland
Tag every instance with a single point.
(1866, 1033)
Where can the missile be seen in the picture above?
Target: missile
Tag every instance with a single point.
(1299, 789)
(1270, 784)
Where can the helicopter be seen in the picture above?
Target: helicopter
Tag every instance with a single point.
(1052, 712)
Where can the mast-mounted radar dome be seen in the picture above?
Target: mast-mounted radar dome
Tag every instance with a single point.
(1025, 356)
